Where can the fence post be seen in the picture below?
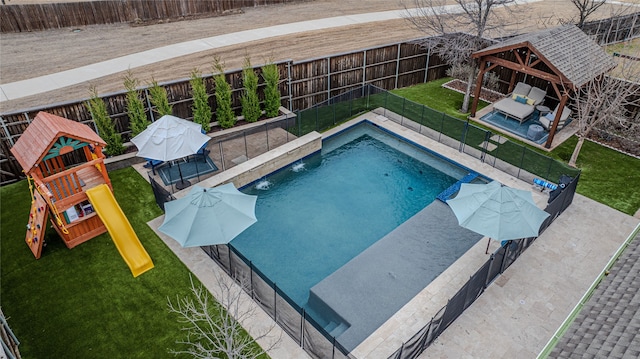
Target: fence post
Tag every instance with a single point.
(251, 279)
(404, 101)
(386, 95)
(289, 85)
(246, 148)
(441, 127)
(275, 302)
(303, 318)
(317, 119)
(524, 150)
(397, 66)
(487, 136)
(221, 155)
(146, 94)
(328, 78)
(463, 137)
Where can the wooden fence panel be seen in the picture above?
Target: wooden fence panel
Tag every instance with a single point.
(38, 17)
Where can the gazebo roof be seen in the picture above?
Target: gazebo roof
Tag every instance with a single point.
(42, 134)
(571, 53)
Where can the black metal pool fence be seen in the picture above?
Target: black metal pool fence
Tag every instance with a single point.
(510, 157)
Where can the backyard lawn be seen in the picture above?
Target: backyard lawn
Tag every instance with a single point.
(84, 302)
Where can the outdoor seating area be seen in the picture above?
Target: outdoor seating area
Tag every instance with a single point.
(522, 102)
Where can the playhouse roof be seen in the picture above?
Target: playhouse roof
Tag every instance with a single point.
(43, 132)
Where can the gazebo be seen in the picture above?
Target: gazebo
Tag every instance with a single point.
(564, 57)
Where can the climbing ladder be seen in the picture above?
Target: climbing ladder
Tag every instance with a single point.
(37, 223)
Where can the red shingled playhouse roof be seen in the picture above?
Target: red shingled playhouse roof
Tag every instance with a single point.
(35, 142)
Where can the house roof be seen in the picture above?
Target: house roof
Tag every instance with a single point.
(43, 132)
(566, 48)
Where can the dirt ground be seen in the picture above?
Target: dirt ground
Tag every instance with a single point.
(27, 55)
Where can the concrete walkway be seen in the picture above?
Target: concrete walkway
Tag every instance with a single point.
(34, 86)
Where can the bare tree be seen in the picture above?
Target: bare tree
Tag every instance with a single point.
(214, 328)
(586, 8)
(604, 101)
(456, 31)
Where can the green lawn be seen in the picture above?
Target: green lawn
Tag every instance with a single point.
(608, 176)
(84, 302)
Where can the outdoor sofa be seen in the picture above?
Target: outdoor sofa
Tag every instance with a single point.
(522, 102)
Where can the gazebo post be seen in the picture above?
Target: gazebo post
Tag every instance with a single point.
(556, 119)
(478, 89)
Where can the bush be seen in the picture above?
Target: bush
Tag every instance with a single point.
(158, 98)
(271, 77)
(224, 112)
(201, 109)
(105, 126)
(250, 101)
(138, 121)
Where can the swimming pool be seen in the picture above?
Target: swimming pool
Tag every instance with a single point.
(317, 215)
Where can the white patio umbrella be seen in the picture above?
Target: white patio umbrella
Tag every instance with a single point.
(209, 216)
(497, 211)
(170, 138)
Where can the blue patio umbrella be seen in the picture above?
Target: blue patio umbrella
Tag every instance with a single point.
(209, 216)
(497, 211)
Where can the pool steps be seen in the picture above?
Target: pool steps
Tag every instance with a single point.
(454, 188)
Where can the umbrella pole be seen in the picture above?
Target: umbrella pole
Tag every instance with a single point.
(488, 243)
(182, 184)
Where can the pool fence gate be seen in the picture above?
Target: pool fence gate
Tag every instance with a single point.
(518, 160)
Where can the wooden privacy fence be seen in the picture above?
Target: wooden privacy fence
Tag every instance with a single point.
(38, 17)
(614, 29)
(303, 84)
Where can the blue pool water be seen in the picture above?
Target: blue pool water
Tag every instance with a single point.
(317, 215)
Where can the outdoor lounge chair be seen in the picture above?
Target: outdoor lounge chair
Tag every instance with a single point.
(522, 102)
(153, 164)
(547, 120)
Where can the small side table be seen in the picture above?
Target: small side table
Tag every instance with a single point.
(535, 132)
(543, 110)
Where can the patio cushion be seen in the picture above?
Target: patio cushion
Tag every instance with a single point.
(520, 99)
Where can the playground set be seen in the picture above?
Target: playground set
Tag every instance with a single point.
(68, 180)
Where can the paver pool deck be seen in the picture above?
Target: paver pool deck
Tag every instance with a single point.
(517, 314)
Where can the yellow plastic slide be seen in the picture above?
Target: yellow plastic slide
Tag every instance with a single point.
(120, 229)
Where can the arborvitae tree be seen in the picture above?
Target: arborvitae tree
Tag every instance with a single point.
(106, 128)
(159, 99)
(249, 100)
(138, 121)
(271, 77)
(224, 112)
(201, 109)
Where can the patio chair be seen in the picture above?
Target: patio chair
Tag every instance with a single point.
(547, 120)
(153, 164)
